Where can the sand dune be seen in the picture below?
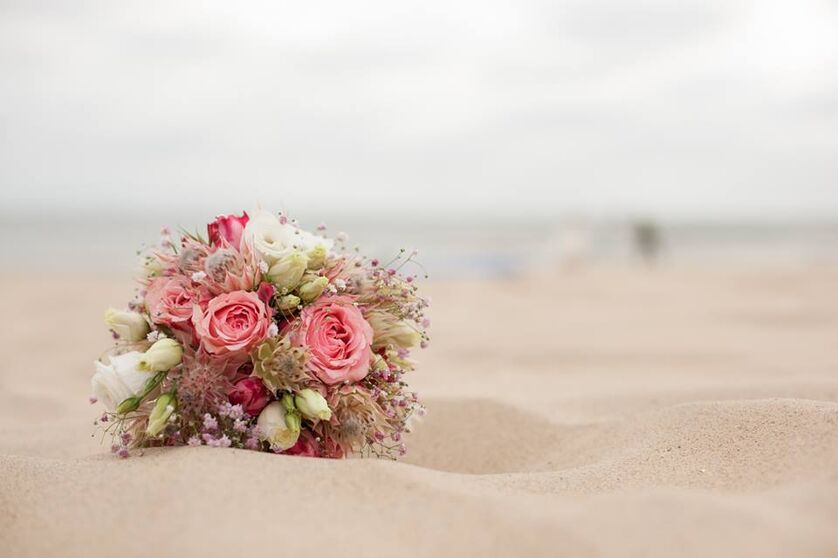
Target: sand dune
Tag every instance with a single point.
(620, 413)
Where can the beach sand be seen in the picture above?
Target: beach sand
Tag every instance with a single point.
(605, 412)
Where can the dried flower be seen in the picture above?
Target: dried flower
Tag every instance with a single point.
(202, 384)
(389, 330)
(281, 366)
(358, 417)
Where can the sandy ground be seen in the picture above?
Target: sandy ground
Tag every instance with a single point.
(597, 413)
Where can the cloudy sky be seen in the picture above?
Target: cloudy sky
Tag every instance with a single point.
(697, 108)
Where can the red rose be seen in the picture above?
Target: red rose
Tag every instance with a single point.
(306, 446)
(251, 394)
(228, 228)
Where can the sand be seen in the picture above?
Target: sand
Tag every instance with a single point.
(605, 412)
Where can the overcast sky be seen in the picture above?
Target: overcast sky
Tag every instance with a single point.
(696, 108)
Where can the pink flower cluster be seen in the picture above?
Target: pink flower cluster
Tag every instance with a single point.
(268, 337)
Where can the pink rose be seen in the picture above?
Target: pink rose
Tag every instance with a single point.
(251, 394)
(306, 446)
(169, 301)
(338, 339)
(232, 322)
(229, 228)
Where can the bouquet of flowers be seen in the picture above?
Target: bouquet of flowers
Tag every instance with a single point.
(267, 337)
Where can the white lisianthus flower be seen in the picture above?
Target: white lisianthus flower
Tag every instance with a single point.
(164, 355)
(317, 257)
(309, 242)
(313, 288)
(312, 405)
(163, 409)
(274, 428)
(287, 272)
(122, 378)
(272, 240)
(130, 326)
(288, 302)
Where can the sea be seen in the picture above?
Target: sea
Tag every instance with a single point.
(108, 243)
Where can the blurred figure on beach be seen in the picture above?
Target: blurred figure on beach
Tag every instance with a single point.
(647, 239)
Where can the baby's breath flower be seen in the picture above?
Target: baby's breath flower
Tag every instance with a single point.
(155, 335)
(210, 423)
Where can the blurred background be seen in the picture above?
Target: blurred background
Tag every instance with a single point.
(498, 138)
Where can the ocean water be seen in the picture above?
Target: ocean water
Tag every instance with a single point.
(108, 244)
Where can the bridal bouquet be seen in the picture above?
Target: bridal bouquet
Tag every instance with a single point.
(267, 337)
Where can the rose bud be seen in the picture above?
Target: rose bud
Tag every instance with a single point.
(314, 288)
(130, 326)
(163, 409)
(228, 228)
(273, 428)
(312, 405)
(251, 394)
(162, 356)
(287, 272)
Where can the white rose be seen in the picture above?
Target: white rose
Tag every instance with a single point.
(122, 378)
(272, 240)
(274, 428)
(130, 326)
